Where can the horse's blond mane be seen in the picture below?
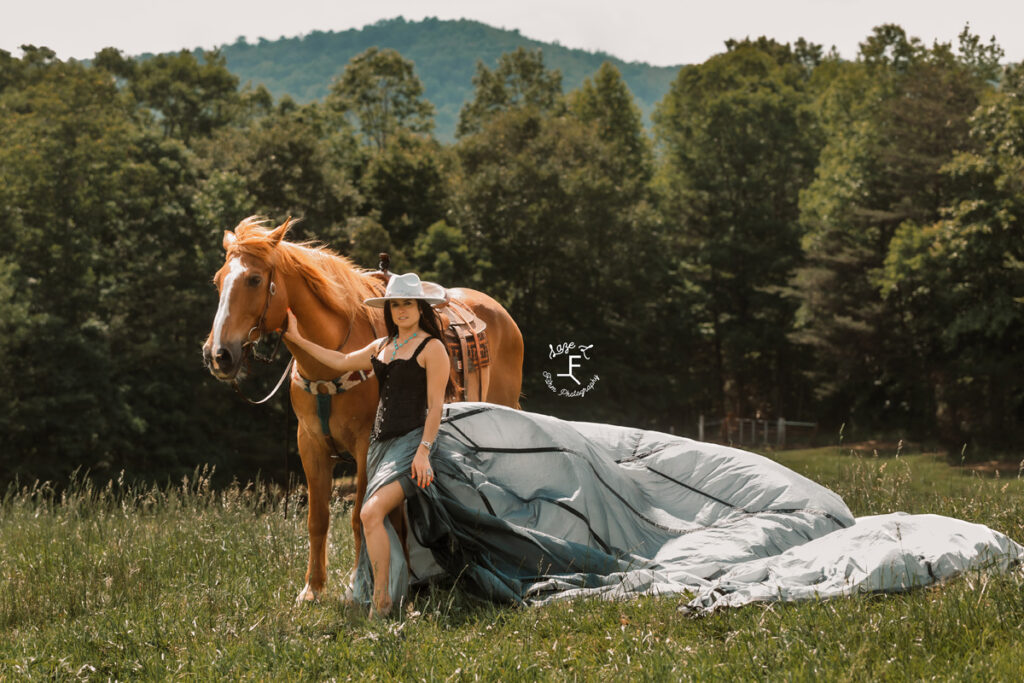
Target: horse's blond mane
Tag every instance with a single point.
(333, 278)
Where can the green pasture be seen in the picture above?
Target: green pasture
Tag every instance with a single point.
(184, 582)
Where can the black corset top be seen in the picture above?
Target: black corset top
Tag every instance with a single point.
(403, 395)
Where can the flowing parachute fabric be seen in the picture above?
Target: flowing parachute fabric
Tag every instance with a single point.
(527, 509)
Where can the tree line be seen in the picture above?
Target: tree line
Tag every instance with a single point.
(802, 236)
(304, 66)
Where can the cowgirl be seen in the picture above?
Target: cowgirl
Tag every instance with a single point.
(412, 368)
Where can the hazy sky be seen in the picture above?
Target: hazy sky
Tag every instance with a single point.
(658, 32)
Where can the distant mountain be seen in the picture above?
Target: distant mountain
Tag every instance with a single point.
(445, 54)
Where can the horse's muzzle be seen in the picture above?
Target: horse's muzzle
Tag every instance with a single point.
(224, 361)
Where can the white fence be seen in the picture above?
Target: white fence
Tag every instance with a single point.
(751, 431)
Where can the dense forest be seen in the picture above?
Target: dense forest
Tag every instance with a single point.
(303, 67)
(799, 235)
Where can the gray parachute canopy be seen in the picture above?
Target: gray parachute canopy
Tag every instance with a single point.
(527, 508)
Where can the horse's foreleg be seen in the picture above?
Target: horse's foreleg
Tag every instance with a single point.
(357, 506)
(319, 470)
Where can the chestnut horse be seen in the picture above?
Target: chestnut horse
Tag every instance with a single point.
(262, 276)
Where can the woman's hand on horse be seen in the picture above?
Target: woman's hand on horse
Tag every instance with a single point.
(291, 330)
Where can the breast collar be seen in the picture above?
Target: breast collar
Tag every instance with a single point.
(330, 387)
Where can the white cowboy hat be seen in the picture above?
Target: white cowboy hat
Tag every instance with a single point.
(408, 286)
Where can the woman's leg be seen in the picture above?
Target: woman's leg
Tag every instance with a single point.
(383, 501)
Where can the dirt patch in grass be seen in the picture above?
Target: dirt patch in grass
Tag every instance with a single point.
(996, 468)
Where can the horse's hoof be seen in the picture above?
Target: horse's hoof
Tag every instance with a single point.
(380, 614)
(307, 596)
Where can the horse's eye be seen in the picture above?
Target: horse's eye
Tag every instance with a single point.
(255, 280)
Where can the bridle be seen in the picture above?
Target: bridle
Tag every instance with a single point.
(250, 346)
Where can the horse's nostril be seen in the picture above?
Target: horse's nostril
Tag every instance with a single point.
(223, 358)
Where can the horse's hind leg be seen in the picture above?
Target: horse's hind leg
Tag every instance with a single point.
(319, 470)
(505, 373)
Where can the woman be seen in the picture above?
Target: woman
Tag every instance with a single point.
(413, 369)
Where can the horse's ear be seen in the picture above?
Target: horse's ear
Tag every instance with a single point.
(229, 240)
(279, 232)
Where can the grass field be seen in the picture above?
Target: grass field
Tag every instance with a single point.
(188, 583)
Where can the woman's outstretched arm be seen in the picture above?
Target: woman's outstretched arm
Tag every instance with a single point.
(336, 360)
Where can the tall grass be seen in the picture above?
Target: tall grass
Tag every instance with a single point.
(185, 582)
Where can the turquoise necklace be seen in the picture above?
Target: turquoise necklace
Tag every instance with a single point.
(398, 346)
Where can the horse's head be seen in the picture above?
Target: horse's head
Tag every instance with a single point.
(252, 299)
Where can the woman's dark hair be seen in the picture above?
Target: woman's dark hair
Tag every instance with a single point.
(428, 320)
(431, 324)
